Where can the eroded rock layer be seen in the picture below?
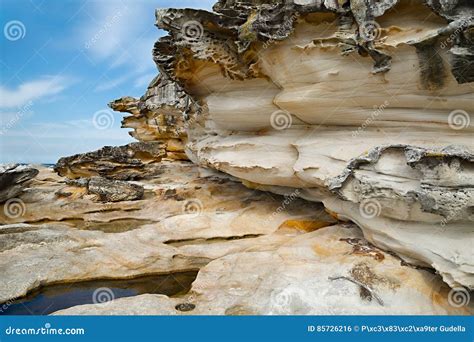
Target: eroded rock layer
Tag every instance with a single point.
(186, 218)
(353, 117)
(363, 107)
(13, 179)
(157, 117)
(331, 271)
(129, 162)
(256, 252)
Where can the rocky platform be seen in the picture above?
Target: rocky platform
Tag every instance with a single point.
(331, 168)
(13, 179)
(256, 253)
(364, 107)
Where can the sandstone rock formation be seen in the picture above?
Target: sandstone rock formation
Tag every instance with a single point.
(330, 171)
(331, 271)
(186, 218)
(114, 191)
(157, 116)
(13, 179)
(365, 108)
(256, 253)
(129, 162)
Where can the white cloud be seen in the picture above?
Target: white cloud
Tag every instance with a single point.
(46, 142)
(120, 32)
(144, 80)
(137, 54)
(138, 79)
(31, 90)
(6, 117)
(110, 84)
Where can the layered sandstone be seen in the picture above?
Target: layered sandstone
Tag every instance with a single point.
(330, 168)
(331, 271)
(256, 253)
(365, 108)
(186, 218)
(128, 162)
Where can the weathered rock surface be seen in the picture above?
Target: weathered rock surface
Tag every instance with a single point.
(148, 124)
(186, 219)
(114, 191)
(256, 253)
(365, 108)
(13, 179)
(105, 190)
(147, 304)
(344, 111)
(157, 116)
(129, 162)
(331, 271)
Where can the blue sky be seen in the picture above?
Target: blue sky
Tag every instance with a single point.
(61, 62)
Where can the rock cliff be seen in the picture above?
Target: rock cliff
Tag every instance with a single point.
(363, 106)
